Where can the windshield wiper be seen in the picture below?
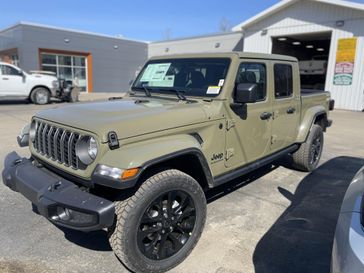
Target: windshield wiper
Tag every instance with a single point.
(178, 93)
(146, 90)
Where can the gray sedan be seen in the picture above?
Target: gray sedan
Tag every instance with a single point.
(348, 248)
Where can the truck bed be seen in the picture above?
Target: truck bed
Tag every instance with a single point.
(306, 92)
(314, 98)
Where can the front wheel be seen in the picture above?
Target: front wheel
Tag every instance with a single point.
(160, 224)
(40, 95)
(308, 155)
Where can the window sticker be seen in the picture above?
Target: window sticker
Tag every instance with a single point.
(168, 81)
(155, 72)
(221, 82)
(213, 90)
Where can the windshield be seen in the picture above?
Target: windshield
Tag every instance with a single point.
(192, 77)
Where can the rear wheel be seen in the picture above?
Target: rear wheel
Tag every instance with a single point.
(308, 155)
(40, 95)
(158, 227)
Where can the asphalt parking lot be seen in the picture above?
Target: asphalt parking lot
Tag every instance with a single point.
(275, 220)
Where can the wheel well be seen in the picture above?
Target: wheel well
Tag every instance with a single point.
(39, 86)
(187, 163)
(321, 120)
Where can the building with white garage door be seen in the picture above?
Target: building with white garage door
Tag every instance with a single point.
(327, 38)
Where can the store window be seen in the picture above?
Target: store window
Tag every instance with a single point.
(69, 67)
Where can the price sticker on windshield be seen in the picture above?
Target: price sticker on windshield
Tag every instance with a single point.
(213, 90)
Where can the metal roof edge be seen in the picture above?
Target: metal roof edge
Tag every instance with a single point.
(24, 23)
(285, 3)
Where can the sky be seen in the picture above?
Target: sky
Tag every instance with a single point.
(147, 20)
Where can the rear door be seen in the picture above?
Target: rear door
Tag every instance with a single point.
(286, 105)
(11, 81)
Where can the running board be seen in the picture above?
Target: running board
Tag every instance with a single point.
(221, 179)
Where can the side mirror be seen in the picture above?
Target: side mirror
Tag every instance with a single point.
(21, 73)
(246, 93)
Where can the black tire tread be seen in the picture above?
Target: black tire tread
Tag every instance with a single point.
(302, 155)
(124, 208)
(32, 95)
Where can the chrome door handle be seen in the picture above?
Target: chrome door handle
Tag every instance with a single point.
(265, 115)
(291, 110)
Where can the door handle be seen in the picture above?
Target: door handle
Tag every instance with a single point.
(5, 79)
(265, 115)
(291, 110)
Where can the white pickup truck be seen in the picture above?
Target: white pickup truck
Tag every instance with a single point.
(316, 66)
(38, 87)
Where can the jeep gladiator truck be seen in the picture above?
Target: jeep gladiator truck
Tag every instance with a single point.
(138, 165)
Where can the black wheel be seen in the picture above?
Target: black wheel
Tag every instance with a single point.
(40, 95)
(160, 224)
(309, 154)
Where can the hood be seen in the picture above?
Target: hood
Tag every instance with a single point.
(42, 76)
(127, 117)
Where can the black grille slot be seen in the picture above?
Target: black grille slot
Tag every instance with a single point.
(74, 160)
(66, 139)
(57, 143)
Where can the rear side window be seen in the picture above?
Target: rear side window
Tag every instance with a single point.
(283, 80)
(254, 73)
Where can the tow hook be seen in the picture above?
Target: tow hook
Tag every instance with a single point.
(55, 186)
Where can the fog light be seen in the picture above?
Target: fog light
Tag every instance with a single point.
(72, 217)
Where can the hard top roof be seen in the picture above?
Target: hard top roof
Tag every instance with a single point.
(243, 55)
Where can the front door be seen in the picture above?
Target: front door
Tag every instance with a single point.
(286, 106)
(11, 81)
(248, 131)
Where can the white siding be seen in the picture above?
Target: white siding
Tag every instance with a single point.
(228, 42)
(312, 17)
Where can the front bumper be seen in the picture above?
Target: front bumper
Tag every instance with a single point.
(59, 200)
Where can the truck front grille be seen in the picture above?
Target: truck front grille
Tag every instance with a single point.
(57, 144)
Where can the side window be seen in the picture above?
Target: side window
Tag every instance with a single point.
(254, 73)
(8, 70)
(283, 80)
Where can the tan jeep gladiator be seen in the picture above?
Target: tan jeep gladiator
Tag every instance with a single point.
(139, 166)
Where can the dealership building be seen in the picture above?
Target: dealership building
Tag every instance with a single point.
(99, 63)
(326, 36)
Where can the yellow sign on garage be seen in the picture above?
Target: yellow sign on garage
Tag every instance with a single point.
(346, 50)
(345, 60)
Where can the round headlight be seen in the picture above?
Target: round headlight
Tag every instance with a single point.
(33, 130)
(86, 150)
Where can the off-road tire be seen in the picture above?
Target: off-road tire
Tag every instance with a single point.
(123, 235)
(40, 95)
(302, 158)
